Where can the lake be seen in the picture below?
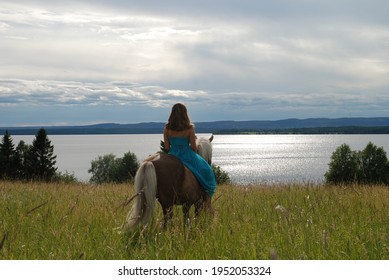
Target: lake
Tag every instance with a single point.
(247, 158)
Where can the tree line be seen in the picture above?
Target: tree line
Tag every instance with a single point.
(27, 162)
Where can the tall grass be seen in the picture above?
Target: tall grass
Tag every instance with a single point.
(58, 221)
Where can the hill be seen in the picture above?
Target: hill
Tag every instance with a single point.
(300, 126)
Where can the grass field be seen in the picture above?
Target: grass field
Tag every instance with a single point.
(58, 221)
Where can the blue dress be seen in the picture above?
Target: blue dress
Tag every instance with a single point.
(179, 147)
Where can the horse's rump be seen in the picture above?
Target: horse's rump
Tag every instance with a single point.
(176, 183)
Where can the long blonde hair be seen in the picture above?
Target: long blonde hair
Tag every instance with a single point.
(178, 119)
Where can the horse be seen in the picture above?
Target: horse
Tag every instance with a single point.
(204, 148)
(164, 177)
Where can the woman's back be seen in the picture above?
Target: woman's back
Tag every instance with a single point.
(180, 141)
(188, 134)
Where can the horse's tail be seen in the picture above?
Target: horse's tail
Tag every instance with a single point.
(146, 190)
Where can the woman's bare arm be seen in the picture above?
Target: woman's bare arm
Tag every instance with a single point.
(192, 138)
(166, 139)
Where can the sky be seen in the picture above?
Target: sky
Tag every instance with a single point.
(122, 61)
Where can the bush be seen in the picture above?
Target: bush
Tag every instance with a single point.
(222, 176)
(369, 166)
(109, 169)
(65, 177)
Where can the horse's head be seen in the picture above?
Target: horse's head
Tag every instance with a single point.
(204, 148)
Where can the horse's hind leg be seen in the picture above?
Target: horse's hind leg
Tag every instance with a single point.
(185, 210)
(204, 205)
(199, 207)
(208, 203)
(167, 215)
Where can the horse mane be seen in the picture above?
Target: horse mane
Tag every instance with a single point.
(204, 148)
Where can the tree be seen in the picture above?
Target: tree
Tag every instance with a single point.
(126, 167)
(369, 166)
(109, 169)
(24, 164)
(7, 157)
(101, 169)
(343, 166)
(42, 161)
(373, 165)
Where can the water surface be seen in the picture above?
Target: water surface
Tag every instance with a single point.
(247, 158)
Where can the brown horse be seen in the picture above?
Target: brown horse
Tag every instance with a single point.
(165, 177)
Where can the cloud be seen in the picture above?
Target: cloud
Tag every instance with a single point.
(165, 50)
(60, 102)
(237, 59)
(47, 93)
(92, 45)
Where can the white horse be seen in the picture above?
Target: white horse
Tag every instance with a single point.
(204, 148)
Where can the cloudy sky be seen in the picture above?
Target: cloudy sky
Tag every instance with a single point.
(81, 62)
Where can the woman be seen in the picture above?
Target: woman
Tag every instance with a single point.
(180, 141)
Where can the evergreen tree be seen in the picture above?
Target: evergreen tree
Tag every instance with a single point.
(42, 161)
(7, 157)
(24, 164)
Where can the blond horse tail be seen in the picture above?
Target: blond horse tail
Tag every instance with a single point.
(146, 190)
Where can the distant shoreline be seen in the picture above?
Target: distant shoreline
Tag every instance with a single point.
(287, 126)
(303, 131)
(316, 130)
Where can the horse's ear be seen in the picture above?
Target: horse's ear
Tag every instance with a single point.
(210, 139)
